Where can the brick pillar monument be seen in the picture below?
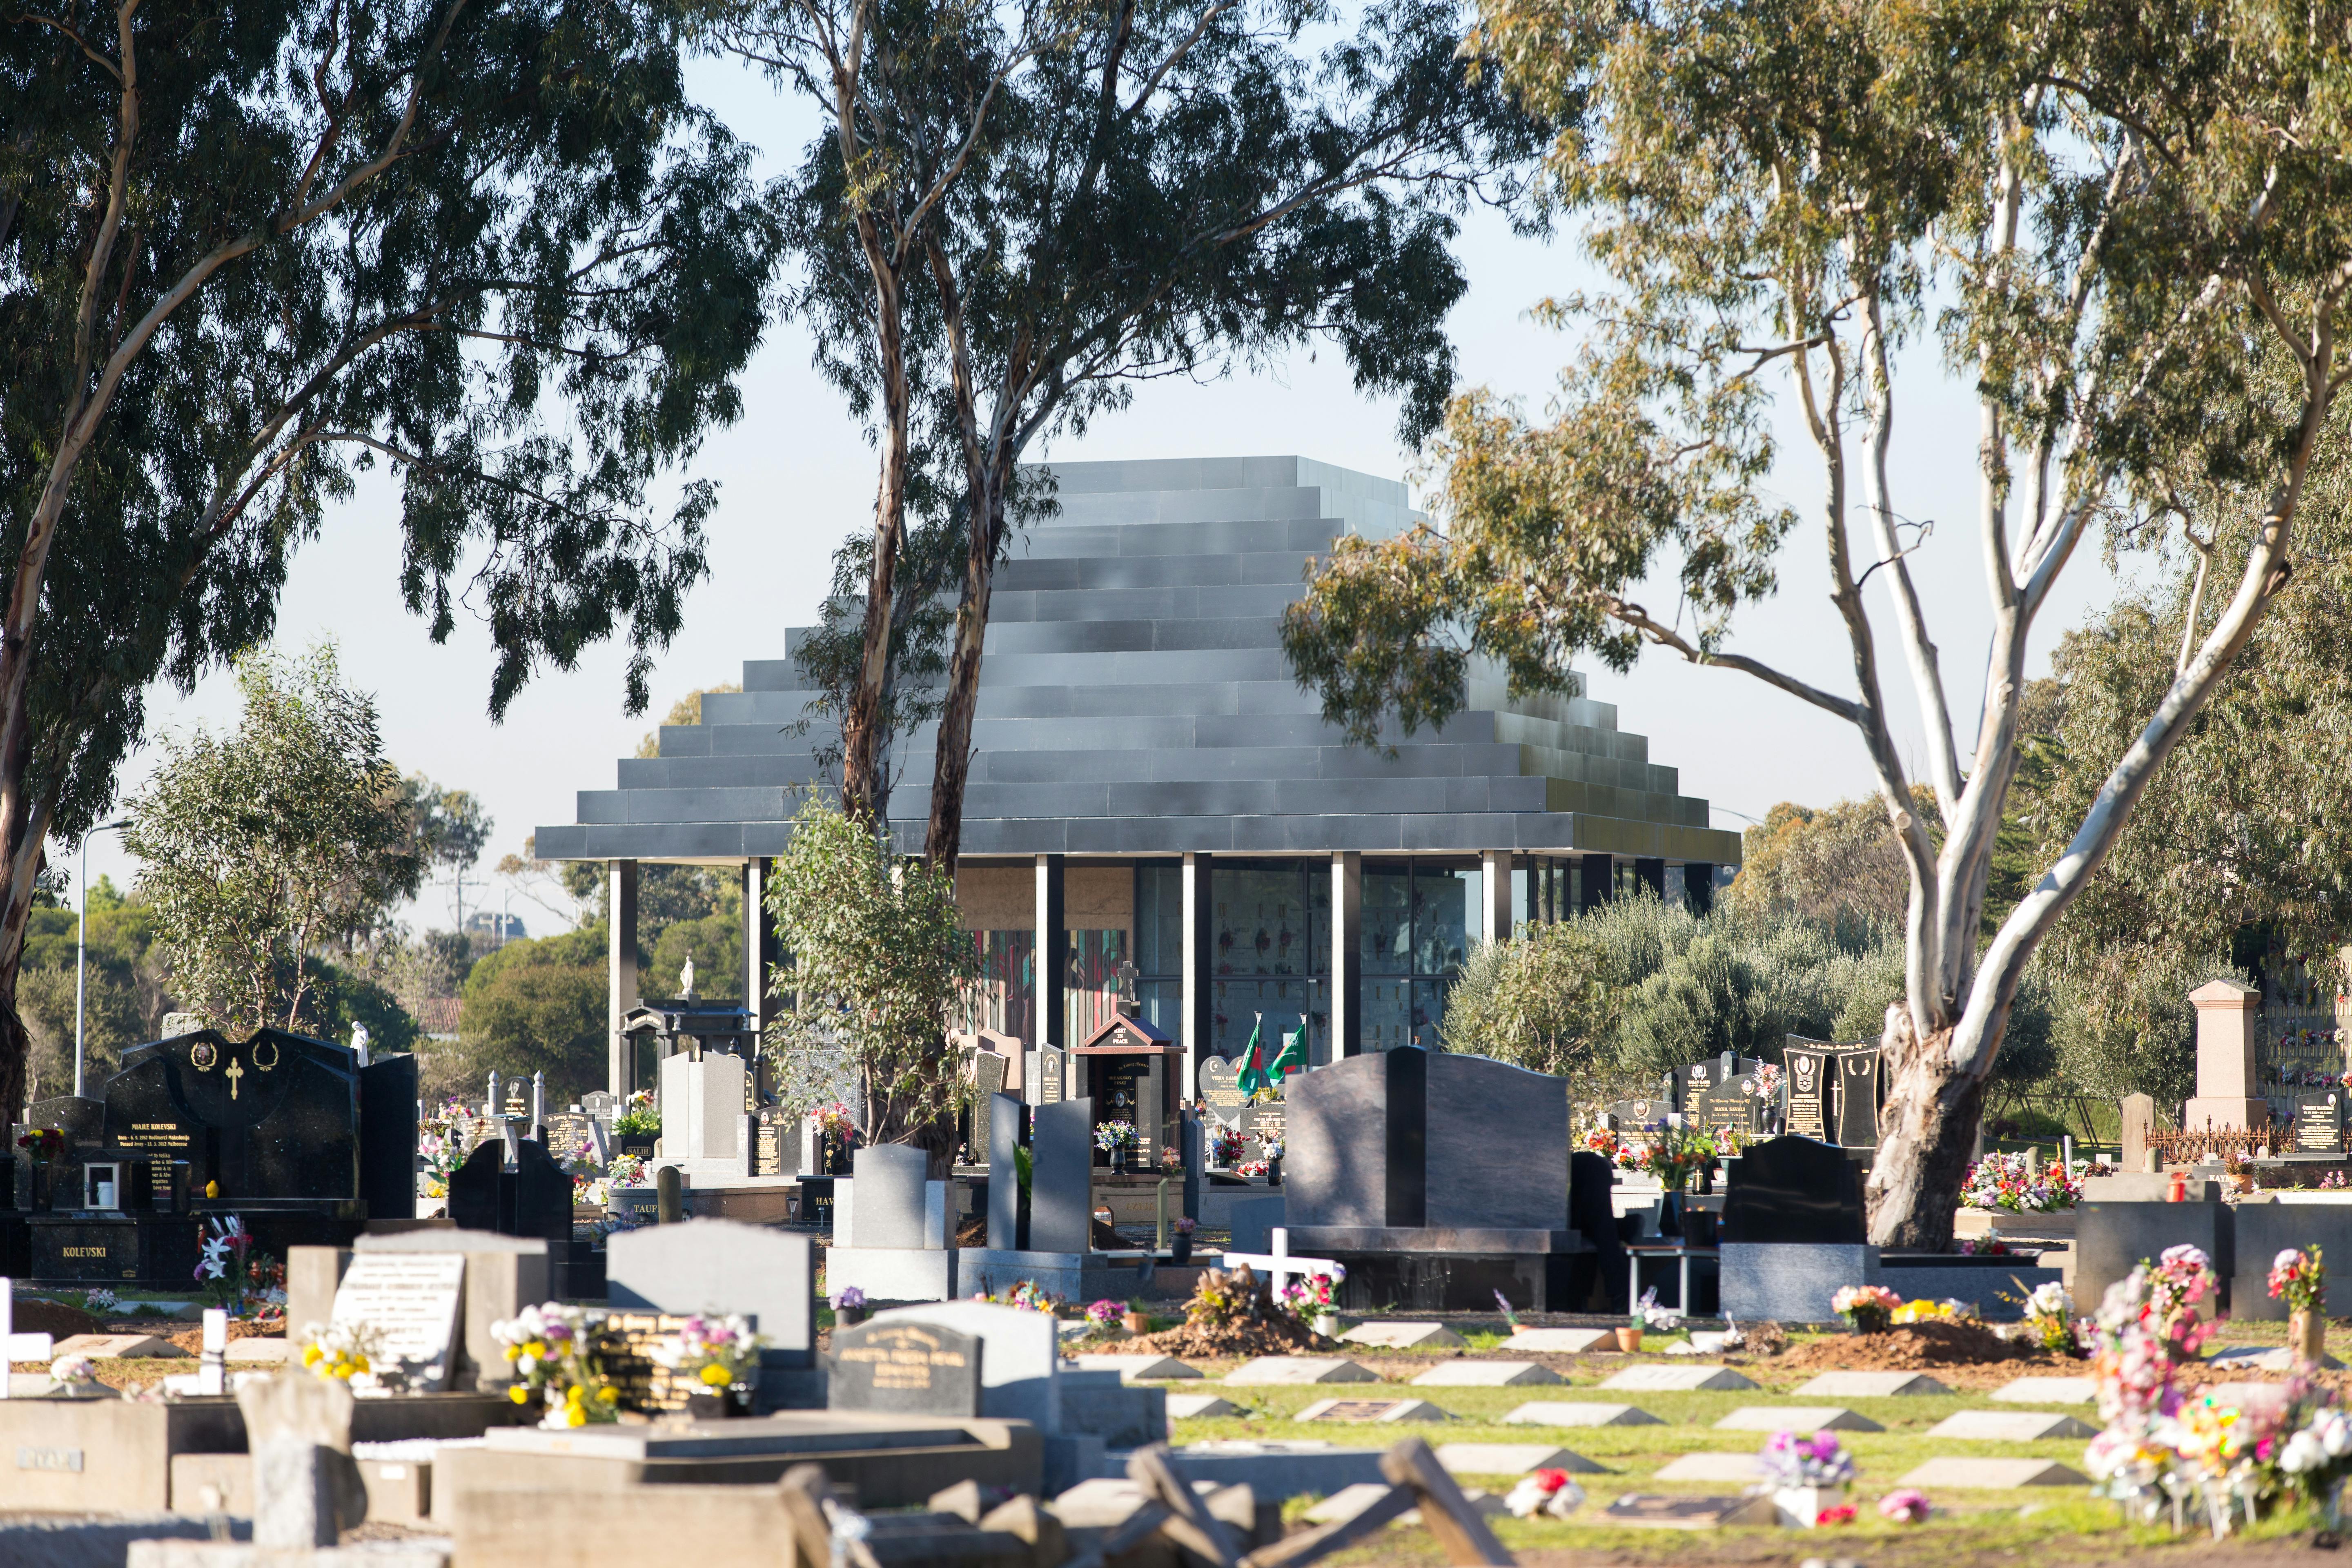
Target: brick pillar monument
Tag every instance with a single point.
(2227, 1094)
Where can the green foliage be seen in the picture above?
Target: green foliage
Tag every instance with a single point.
(1546, 1000)
(260, 845)
(715, 942)
(879, 959)
(532, 1006)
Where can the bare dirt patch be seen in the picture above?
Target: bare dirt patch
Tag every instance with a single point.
(1918, 1347)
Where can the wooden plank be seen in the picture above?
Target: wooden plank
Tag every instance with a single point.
(1467, 1541)
(1294, 1551)
(1138, 1526)
(1189, 1524)
(804, 1488)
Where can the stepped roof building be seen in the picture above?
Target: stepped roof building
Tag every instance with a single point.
(1156, 804)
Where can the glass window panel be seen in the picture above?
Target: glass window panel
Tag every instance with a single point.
(1163, 1002)
(1388, 1013)
(1160, 918)
(1429, 1011)
(1264, 923)
(1445, 914)
(1674, 884)
(1090, 988)
(1283, 1003)
(1387, 917)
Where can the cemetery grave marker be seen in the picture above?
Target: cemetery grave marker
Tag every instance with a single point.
(906, 1369)
(644, 1384)
(411, 1299)
(2319, 1123)
(1405, 1336)
(2011, 1426)
(776, 1142)
(1221, 1089)
(1295, 1369)
(1512, 1460)
(1800, 1418)
(1859, 1085)
(1574, 1342)
(1808, 1078)
(1140, 1368)
(1994, 1475)
(1466, 1373)
(1711, 1467)
(1688, 1512)
(1363, 1410)
(1573, 1413)
(1873, 1384)
(1679, 1380)
(1201, 1407)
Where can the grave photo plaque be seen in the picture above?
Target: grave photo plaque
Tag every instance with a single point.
(1261, 1124)
(907, 1368)
(2319, 1123)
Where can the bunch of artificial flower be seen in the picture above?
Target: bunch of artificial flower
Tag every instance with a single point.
(1929, 1312)
(553, 1351)
(1028, 1295)
(2004, 1182)
(1225, 1144)
(1866, 1307)
(1549, 1492)
(1311, 1295)
(1789, 1461)
(1648, 1314)
(1602, 1140)
(1109, 1135)
(1106, 1314)
(74, 1370)
(347, 1352)
(718, 1353)
(2300, 1280)
(2050, 1318)
(835, 1122)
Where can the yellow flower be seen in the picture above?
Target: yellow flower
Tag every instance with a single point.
(359, 1363)
(575, 1395)
(608, 1395)
(717, 1376)
(312, 1355)
(575, 1416)
(518, 1394)
(514, 1352)
(538, 1347)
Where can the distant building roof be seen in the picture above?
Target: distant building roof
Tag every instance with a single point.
(439, 1016)
(1135, 700)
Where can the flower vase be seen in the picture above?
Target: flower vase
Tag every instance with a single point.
(1327, 1325)
(1869, 1320)
(1629, 1339)
(1274, 1171)
(716, 1406)
(1118, 1160)
(1136, 1323)
(1801, 1506)
(2306, 1337)
(1181, 1249)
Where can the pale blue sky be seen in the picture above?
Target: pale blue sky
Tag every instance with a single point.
(795, 476)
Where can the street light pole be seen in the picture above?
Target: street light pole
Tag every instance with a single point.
(81, 948)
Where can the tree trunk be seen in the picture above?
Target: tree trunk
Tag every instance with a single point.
(951, 768)
(865, 795)
(1933, 1111)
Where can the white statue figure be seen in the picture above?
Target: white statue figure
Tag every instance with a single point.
(685, 978)
(360, 1043)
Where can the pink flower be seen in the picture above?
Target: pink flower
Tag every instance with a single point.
(1842, 1515)
(1907, 1506)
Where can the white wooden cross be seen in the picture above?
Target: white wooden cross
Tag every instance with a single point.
(1279, 1262)
(15, 1347)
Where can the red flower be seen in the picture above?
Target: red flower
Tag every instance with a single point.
(1842, 1515)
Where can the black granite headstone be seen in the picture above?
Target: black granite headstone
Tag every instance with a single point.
(1590, 1178)
(1008, 1129)
(1859, 1085)
(1794, 1190)
(1052, 1076)
(388, 1137)
(1807, 1072)
(776, 1142)
(533, 1199)
(277, 1116)
(904, 1369)
(2319, 1123)
(988, 1074)
(1061, 1182)
(80, 1118)
(1262, 1124)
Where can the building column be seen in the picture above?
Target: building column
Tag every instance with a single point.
(1051, 969)
(1652, 874)
(1347, 954)
(1698, 887)
(761, 950)
(621, 967)
(1196, 1011)
(1495, 895)
(1600, 880)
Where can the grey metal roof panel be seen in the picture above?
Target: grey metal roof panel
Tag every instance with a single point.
(1136, 700)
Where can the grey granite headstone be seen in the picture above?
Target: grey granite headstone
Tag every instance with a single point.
(1411, 1138)
(2265, 1230)
(1020, 1356)
(911, 1369)
(1061, 1182)
(1007, 1128)
(721, 1266)
(888, 1201)
(1789, 1282)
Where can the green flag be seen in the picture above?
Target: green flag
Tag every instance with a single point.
(1291, 1058)
(1253, 1064)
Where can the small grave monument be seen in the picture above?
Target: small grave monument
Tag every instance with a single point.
(1132, 1072)
(905, 1368)
(412, 1299)
(1792, 1232)
(890, 1228)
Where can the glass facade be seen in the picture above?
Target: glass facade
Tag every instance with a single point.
(1270, 952)
(1419, 919)
(1159, 944)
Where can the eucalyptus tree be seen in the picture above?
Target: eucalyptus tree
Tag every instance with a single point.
(2105, 215)
(247, 251)
(1079, 198)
